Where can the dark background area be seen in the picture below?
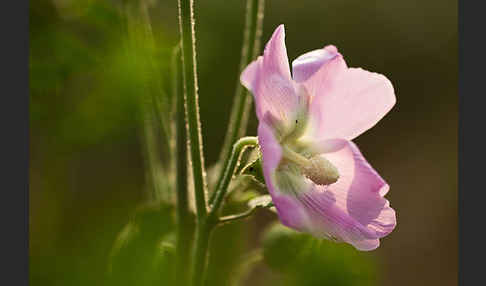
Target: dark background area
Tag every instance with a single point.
(86, 161)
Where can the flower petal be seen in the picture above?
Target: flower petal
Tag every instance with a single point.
(309, 63)
(268, 78)
(250, 74)
(319, 69)
(270, 148)
(353, 209)
(275, 60)
(347, 102)
(289, 209)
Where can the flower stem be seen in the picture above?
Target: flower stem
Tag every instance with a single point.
(236, 217)
(184, 220)
(242, 101)
(206, 225)
(193, 126)
(203, 231)
(238, 148)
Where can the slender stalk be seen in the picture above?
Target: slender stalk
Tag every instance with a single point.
(242, 100)
(205, 226)
(203, 232)
(236, 217)
(193, 125)
(184, 221)
(238, 148)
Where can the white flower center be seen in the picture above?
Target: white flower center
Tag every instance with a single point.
(295, 164)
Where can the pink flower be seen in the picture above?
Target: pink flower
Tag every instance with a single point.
(319, 181)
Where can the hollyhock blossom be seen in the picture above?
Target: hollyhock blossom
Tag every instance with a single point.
(319, 181)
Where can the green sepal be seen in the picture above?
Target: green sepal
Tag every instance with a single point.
(264, 201)
(254, 168)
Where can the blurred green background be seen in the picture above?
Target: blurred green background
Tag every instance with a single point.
(87, 171)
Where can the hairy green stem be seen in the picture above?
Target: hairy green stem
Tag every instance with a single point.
(193, 127)
(204, 227)
(184, 219)
(188, 44)
(203, 232)
(242, 100)
(237, 150)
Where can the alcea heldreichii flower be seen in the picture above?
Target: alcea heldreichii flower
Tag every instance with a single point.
(319, 181)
